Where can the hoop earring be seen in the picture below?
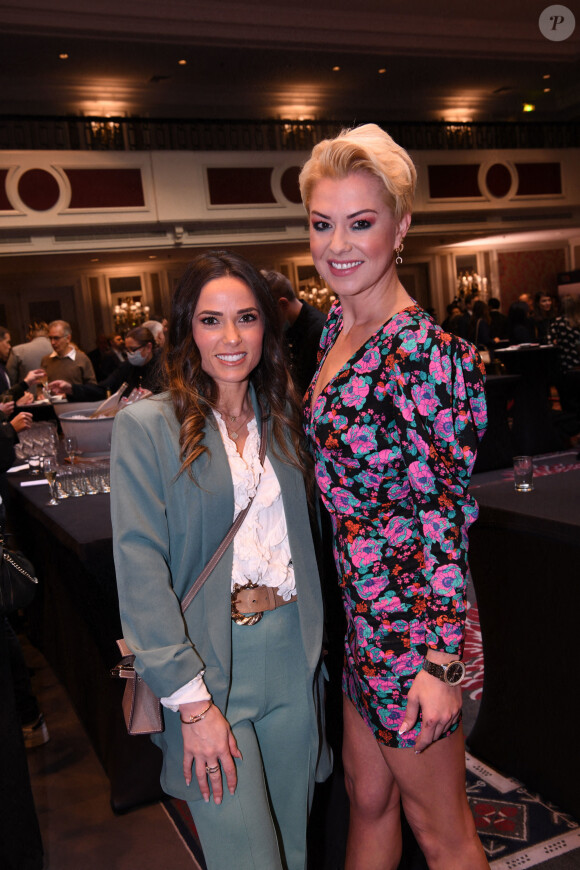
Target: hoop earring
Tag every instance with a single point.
(398, 252)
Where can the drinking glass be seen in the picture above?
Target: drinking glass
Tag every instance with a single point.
(71, 448)
(49, 470)
(34, 465)
(523, 473)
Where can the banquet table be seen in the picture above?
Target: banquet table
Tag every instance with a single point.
(525, 562)
(75, 622)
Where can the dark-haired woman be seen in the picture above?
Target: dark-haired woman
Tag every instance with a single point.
(543, 316)
(142, 369)
(480, 335)
(241, 742)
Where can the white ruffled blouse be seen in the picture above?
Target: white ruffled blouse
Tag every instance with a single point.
(261, 547)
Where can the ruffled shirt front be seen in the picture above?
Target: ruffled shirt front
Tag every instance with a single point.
(261, 547)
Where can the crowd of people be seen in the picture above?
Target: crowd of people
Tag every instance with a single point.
(543, 319)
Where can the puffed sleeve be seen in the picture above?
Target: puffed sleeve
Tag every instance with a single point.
(153, 625)
(439, 399)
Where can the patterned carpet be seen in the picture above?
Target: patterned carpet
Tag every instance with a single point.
(517, 828)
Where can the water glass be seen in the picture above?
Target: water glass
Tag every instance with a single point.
(523, 473)
(34, 465)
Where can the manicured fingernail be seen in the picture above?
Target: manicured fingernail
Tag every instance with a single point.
(403, 730)
(418, 751)
(217, 801)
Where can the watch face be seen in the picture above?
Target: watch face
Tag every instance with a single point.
(455, 673)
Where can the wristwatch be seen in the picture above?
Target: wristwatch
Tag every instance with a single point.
(452, 674)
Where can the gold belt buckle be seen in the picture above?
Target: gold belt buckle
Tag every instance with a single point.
(244, 618)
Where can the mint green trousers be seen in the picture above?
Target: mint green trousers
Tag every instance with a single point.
(263, 825)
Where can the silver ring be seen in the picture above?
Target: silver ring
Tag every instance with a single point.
(214, 769)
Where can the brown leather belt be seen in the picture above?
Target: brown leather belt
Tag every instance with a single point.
(250, 602)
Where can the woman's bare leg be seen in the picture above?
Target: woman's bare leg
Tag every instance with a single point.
(432, 788)
(374, 833)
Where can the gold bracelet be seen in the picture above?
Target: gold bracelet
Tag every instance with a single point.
(193, 719)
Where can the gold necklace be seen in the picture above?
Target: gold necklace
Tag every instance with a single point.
(234, 433)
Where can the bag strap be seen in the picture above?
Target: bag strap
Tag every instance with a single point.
(231, 532)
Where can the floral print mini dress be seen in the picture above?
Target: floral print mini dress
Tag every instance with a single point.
(394, 436)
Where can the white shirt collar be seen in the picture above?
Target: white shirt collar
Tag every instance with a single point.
(72, 354)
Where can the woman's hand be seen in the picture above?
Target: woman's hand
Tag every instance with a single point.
(26, 399)
(6, 408)
(440, 707)
(210, 743)
(21, 421)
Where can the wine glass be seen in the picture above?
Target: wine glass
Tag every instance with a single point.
(71, 448)
(49, 471)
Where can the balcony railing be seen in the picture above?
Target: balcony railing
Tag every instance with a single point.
(47, 133)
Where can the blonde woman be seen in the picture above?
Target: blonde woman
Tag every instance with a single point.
(393, 415)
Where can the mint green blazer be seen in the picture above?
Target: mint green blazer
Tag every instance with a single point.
(165, 529)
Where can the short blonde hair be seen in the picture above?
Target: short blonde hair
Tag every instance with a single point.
(363, 149)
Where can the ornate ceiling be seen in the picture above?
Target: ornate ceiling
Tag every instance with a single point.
(396, 59)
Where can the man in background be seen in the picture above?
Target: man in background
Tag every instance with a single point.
(27, 357)
(9, 391)
(499, 326)
(303, 326)
(66, 362)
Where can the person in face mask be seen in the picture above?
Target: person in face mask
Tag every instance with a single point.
(141, 369)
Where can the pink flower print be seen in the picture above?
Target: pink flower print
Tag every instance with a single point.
(407, 665)
(391, 716)
(479, 411)
(361, 439)
(390, 603)
(409, 340)
(447, 580)
(435, 526)
(363, 632)
(439, 367)
(384, 685)
(444, 425)
(364, 552)
(459, 390)
(369, 587)
(452, 635)
(343, 501)
(421, 477)
(398, 531)
(382, 458)
(369, 480)
(323, 479)
(417, 632)
(418, 442)
(425, 398)
(337, 420)
(409, 738)
(398, 491)
(354, 393)
(406, 408)
(462, 418)
(370, 361)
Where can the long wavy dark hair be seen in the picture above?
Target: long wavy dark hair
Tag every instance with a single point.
(194, 393)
